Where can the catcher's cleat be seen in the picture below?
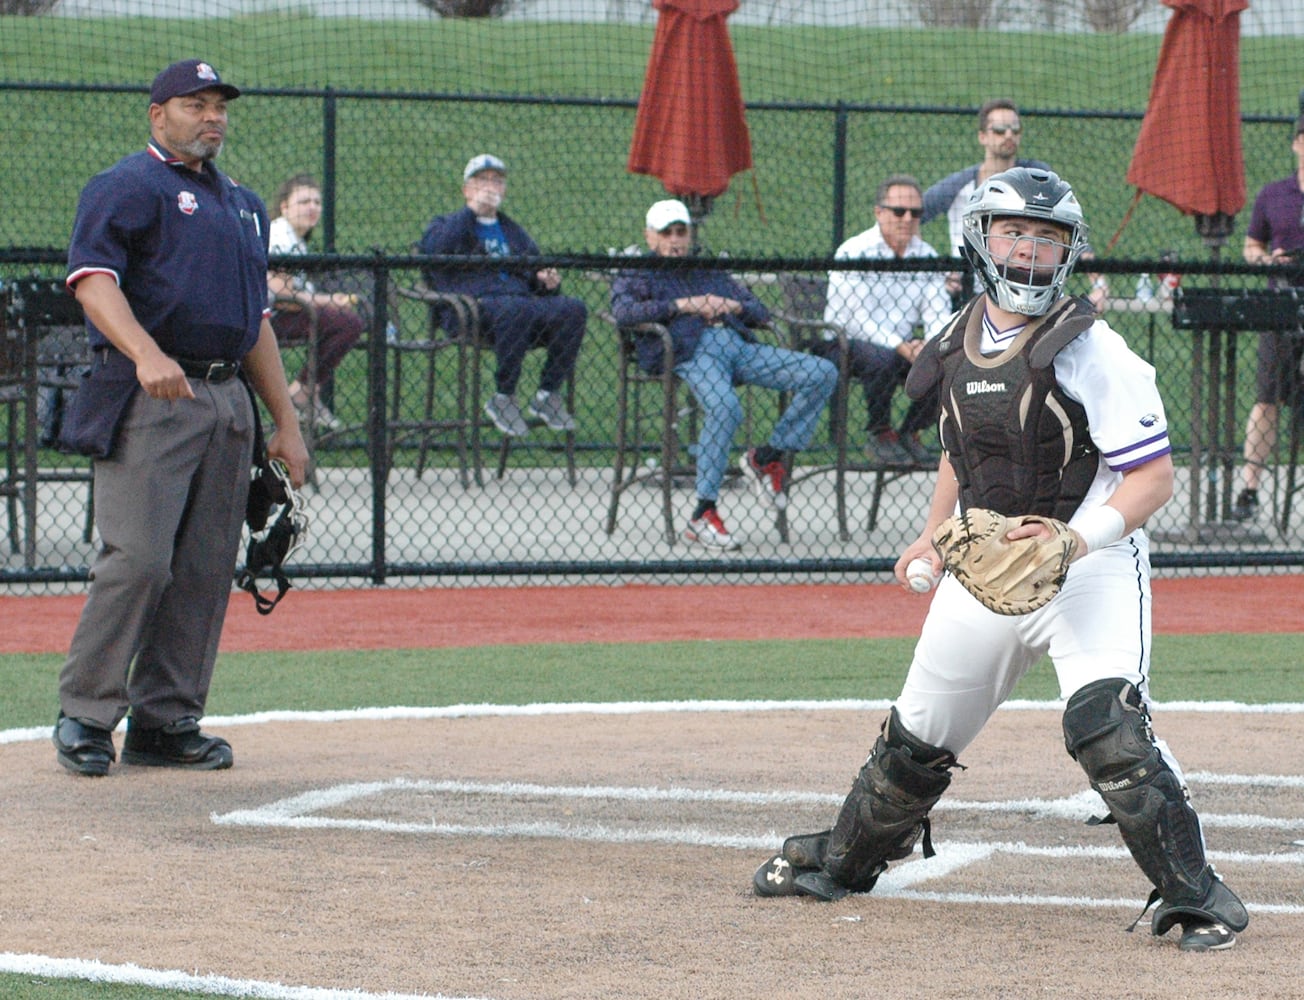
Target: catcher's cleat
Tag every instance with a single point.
(821, 886)
(1206, 937)
(774, 878)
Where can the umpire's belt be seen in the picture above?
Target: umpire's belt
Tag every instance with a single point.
(209, 371)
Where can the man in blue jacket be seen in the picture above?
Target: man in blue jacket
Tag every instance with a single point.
(711, 317)
(520, 304)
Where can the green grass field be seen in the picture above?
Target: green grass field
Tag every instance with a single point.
(1186, 668)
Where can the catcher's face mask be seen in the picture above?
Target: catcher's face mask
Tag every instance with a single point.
(269, 548)
(1023, 282)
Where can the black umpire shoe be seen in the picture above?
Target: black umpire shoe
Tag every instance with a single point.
(178, 744)
(82, 747)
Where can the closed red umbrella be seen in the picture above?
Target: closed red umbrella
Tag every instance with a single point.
(690, 131)
(1188, 151)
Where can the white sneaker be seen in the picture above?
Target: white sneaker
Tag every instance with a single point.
(770, 480)
(324, 419)
(710, 531)
(506, 415)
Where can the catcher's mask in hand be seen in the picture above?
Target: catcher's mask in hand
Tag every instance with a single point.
(269, 548)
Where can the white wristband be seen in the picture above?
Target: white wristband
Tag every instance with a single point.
(1100, 526)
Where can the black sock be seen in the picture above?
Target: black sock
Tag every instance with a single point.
(702, 507)
(766, 454)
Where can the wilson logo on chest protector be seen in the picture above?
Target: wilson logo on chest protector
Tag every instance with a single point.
(979, 386)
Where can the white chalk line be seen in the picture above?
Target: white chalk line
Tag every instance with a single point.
(133, 975)
(643, 708)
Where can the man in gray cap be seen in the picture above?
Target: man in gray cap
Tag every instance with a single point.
(521, 305)
(168, 258)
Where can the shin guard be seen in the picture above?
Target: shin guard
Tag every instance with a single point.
(1107, 731)
(884, 815)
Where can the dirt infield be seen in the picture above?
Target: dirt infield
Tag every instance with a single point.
(514, 855)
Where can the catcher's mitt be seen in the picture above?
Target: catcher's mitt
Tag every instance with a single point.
(1009, 577)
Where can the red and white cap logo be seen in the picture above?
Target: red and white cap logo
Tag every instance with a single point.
(205, 72)
(187, 203)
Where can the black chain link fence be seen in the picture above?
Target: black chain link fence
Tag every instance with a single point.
(398, 495)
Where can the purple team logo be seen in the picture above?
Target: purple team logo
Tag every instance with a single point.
(205, 72)
(1149, 420)
(187, 202)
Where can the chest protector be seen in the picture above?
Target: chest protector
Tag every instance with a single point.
(1017, 442)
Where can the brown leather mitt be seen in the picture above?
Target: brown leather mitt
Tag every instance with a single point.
(1009, 577)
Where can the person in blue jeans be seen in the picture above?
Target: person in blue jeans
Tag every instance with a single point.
(711, 317)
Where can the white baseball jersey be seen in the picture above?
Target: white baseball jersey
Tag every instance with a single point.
(968, 659)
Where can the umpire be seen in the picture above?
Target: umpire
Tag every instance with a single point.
(168, 258)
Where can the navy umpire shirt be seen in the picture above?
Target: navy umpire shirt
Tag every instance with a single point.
(188, 250)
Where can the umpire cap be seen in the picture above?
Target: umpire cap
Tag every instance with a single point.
(189, 76)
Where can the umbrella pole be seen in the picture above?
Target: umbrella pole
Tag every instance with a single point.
(699, 207)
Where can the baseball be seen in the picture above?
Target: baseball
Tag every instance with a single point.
(920, 575)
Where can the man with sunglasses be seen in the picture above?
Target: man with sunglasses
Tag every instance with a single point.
(999, 133)
(1275, 236)
(880, 312)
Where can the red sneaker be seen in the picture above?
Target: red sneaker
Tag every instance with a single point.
(710, 531)
(770, 479)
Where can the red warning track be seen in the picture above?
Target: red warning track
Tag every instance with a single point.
(430, 618)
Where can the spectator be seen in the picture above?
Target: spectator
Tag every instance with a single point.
(168, 257)
(521, 306)
(1000, 132)
(711, 317)
(339, 326)
(880, 312)
(1275, 236)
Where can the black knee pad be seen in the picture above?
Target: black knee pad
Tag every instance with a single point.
(1106, 731)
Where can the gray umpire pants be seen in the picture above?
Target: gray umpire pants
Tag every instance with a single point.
(169, 506)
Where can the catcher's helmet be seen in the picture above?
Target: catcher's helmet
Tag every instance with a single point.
(1023, 192)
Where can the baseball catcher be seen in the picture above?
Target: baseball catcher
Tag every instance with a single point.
(1056, 453)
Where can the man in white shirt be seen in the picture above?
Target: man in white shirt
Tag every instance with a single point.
(882, 313)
